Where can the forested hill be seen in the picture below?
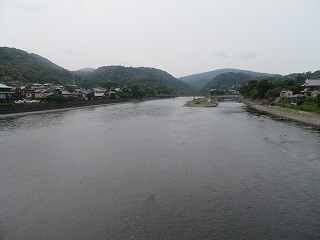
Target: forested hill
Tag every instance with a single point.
(87, 69)
(199, 80)
(18, 65)
(140, 75)
(225, 80)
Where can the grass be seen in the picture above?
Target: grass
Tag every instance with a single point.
(308, 104)
(202, 102)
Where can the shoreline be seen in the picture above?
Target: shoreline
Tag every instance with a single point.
(21, 114)
(57, 108)
(304, 117)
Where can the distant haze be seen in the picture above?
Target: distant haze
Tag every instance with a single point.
(182, 37)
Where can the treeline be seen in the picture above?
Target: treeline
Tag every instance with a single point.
(270, 87)
(140, 75)
(144, 90)
(125, 91)
(224, 81)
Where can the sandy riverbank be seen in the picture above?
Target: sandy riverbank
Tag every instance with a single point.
(202, 102)
(285, 113)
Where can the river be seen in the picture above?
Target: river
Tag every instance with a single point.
(158, 170)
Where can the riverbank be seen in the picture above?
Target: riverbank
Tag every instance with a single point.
(284, 113)
(22, 110)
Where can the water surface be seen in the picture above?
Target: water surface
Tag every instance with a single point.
(158, 170)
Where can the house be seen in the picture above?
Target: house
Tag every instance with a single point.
(286, 94)
(6, 94)
(99, 92)
(111, 95)
(32, 93)
(311, 85)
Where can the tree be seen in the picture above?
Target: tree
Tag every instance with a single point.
(90, 95)
(57, 98)
(18, 94)
(211, 93)
(136, 91)
(71, 90)
(262, 87)
(5, 79)
(108, 84)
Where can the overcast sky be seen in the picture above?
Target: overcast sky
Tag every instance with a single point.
(181, 37)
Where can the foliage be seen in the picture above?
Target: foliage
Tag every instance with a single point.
(108, 84)
(20, 66)
(269, 87)
(224, 81)
(309, 104)
(145, 90)
(18, 94)
(216, 92)
(58, 98)
(90, 96)
(115, 76)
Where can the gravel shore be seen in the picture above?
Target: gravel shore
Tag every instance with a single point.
(285, 113)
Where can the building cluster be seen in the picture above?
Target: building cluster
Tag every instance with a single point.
(37, 91)
(311, 87)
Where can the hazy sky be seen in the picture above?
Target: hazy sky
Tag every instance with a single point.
(181, 37)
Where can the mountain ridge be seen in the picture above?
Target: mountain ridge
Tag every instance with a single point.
(24, 67)
(199, 80)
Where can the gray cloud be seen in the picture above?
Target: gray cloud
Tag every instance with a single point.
(222, 54)
(248, 54)
(33, 8)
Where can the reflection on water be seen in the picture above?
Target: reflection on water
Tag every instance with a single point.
(158, 170)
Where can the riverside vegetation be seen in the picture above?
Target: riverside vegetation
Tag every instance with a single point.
(268, 89)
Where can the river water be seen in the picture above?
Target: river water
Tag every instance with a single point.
(158, 170)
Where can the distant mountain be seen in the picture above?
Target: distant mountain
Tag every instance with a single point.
(140, 75)
(199, 80)
(87, 69)
(18, 65)
(225, 80)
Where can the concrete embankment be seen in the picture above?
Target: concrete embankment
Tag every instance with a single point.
(285, 113)
(25, 109)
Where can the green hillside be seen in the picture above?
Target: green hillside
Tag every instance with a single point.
(18, 65)
(199, 80)
(225, 80)
(140, 75)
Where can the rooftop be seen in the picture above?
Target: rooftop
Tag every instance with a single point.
(312, 82)
(4, 86)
